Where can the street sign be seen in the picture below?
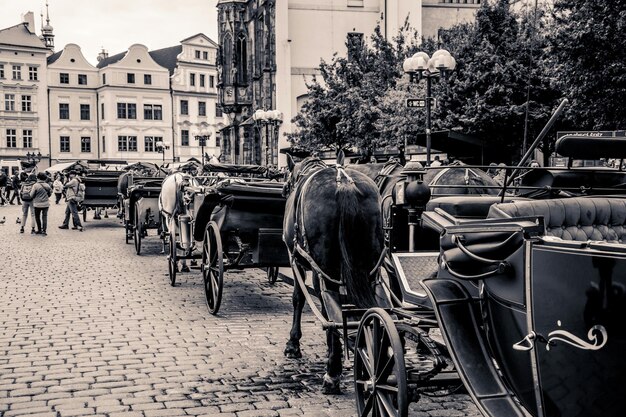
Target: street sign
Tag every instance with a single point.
(419, 102)
(593, 134)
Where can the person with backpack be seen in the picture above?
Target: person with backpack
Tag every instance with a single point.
(3, 183)
(27, 203)
(40, 194)
(72, 189)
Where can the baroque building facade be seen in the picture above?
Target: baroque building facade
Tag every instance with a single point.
(270, 50)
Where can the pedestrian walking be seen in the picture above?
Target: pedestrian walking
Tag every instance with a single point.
(57, 188)
(16, 183)
(40, 194)
(3, 185)
(71, 192)
(27, 203)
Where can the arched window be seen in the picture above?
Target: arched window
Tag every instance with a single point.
(227, 59)
(242, 59)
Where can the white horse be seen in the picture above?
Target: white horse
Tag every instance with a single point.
(171, 202)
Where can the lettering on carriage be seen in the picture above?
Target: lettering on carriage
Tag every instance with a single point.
(597, 336)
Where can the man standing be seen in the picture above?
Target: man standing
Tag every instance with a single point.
(3, 185)
(71, 190)
(16, 183)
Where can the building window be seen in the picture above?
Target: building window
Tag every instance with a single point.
(82, 79)
(130, 78)
(211, 81)
(102, 110)
(17, 72)
(197, 54)
(11, 138)
(9, 102)
(85, 144)
(192, 79)
(26, 103)
(201, 108)
(64, 144)
(152, 112)
(104, 143)
(84, 112)
(126, 110)
(148, 144)
(27, 138)
(104, 78)
(218, 111)
(242, 59)
(184, 107)
(184, 138)
(1, 71)
(201, 80)
(32, 74)
(64, 111)
(147, 79)
(205, 55)
(64, 78)
(127, 143)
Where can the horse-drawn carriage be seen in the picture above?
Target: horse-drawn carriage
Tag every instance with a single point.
(235, 212)
(516, 298)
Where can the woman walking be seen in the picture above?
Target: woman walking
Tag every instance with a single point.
(27, 203)
(40, 194)
(57, 187)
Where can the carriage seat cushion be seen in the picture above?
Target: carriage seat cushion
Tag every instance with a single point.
(579, 218)
(466, 206)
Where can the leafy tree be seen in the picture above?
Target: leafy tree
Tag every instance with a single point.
(589, 57)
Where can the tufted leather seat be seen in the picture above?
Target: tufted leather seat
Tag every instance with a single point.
(578, 218)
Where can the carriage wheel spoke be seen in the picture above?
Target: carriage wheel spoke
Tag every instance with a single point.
(389, 409)
(370, 349)
(366, 362)
(384, 346)
(368, 405)
(383, 372)
(387, 388)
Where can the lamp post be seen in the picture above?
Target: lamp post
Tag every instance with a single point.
(268, 118)
(202, 137)
(420, 66)
(33, 158)
(162, 147)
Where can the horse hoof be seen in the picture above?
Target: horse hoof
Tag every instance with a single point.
(185, 268)
(292, 352)
(331, 386)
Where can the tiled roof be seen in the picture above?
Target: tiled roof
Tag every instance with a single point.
(166, 57)
(19, 35)
(52, 58)
(111, 60)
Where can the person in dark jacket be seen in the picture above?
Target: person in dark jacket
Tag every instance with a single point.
(40, 193)
(16, 183)
(3, 184)
(71, 189)
(27, 203)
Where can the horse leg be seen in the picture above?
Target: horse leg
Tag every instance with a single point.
(334, 362)
(292, 348)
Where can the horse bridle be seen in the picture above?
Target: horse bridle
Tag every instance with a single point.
(308, 165)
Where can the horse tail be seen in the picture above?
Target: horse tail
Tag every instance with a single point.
(351, 241)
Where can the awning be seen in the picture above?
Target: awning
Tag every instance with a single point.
(68, 166)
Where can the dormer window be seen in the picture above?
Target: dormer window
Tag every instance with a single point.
(64, 78)
(205, 55)
(82, 79)
(197, 54)
(130, 78)
(147, 79)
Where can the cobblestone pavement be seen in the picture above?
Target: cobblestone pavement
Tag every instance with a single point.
(89, 328)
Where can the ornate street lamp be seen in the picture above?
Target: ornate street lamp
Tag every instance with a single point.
(33, 158)
(203, 137)
(268, 118)
(420, 66)
(162, 147)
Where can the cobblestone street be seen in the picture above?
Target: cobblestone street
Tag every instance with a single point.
(87, 327)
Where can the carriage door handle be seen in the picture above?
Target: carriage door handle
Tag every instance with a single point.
(527, 343)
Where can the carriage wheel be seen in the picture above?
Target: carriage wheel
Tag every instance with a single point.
(138, 232)
(126, 230)
(171, 259)
(379, 371)
(272, 274)
(212, 267)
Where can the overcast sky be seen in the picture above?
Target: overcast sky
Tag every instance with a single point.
(117, 24)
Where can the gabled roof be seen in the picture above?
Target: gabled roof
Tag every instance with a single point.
(166, 57)
(200, 35)
(52, 58)
(19, 35)
(111, 60)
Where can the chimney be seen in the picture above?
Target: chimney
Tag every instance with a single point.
(102, 55)
(29, 19)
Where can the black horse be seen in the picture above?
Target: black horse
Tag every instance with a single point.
(332, 227)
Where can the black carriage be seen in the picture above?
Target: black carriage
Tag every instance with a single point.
(526, 294)
(141, 210)
(237, 214)
(100, 190)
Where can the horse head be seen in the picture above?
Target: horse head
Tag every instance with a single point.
(298, 170)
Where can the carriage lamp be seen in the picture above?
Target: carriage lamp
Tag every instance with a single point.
(203, 137)
(162, 147)
(422, 67)
(268, 118)
(413, 193)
